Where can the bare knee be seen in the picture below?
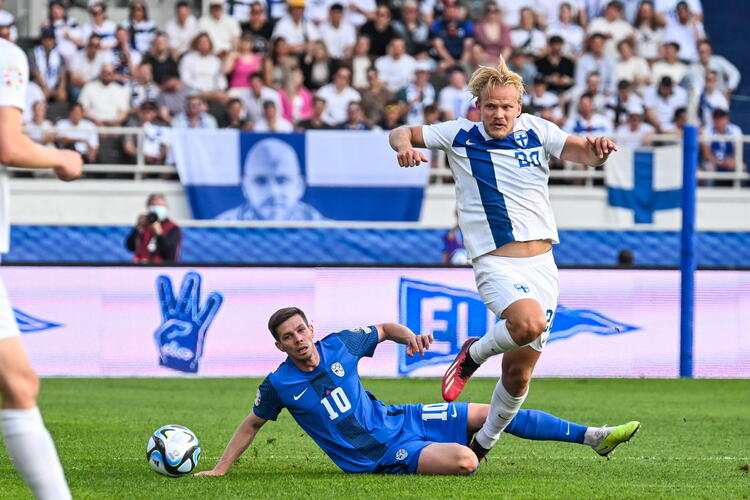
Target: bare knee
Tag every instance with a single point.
(516, 379)
(466, 461)
(527, 329)
(20, 389)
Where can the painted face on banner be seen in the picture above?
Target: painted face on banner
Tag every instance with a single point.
(273, 183)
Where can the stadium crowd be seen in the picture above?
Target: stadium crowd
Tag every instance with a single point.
(593, 67)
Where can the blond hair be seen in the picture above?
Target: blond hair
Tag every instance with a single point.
(486, 77)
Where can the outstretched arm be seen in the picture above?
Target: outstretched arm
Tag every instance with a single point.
(404, 141)
(592, 151)
(242, 438)
(403, 335)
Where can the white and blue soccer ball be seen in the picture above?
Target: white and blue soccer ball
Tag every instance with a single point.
(173, 450)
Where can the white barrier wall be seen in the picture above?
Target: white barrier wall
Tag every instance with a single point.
(112, 321)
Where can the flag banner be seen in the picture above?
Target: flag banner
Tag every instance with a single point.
(319, 175)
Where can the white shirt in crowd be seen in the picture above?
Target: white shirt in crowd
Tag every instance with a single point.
(630, 138)
(89, 69)
(572, 34)
(588, 63)
(616, 30)
(106, 30)
(295, 33)
(687, 35)
(34, 94)
(597, 124)
(455, 102)
(337, 40)
(154, 138)
(664, 108)
(337, 102)
(648, 41)
(520, 163)
(676, 71)
(202, 73)
(253, 103)
(223, 32)
(355, 18)
(316, 11)
(282, 125)
(104, 102)
(635, 67)
(84, 133)
(708, 102)
(528, 42)
(181, 36)
(396, 73)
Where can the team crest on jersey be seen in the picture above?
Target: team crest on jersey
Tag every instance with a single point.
(338, 369)
(521, 138)
(257, 397)
(13, 77)
(401, 454)
(521, 287)
(362, 329)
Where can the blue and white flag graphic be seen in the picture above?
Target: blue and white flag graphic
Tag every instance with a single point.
(341, 175)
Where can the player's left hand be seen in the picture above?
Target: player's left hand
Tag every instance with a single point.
(209, 473)
(418, 344)
(602, 147)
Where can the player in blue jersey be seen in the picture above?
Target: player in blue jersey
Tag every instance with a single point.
(501, 168)
(320, 386)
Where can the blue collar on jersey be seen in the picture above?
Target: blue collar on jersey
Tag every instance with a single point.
(520, 139)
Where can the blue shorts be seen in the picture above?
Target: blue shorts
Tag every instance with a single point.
(424, 425)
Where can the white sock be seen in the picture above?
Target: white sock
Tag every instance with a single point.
(33, 453)
(496, 341)
(502, 410)
(594, 435)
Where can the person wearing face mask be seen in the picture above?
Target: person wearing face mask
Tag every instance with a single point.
(155, 238)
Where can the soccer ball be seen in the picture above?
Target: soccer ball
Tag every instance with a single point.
(173, 450)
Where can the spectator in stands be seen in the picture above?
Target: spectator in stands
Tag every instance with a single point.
(235, 116)
(182, 28)
(586, 121)
(631, 67)
(159, 57)
(729, 75)
(526, 37)
(142, 29)
(195, 115)
(155, 239)
(396, 68)
(254, 97)
(8, 20)
(667, 9)
(612, 26)
(105, 102)
(39, 128)
(156, 136)
(662, 102)
(375, 96)
(142, 87)
(679, 120)
(67, 30)
(539, 97)
(258, 24)
(272, 185)
(418, 94)
(379, 30)
(567, 30)
(720, 155)
(594, 59)
(355, 118)
(100, 25)
(649, 31)
(337, 34)
(296, 99)
(48, 68)
(223, 29)
(240, 64)
(669, 65)
(34, 94)
(475, 58)
(634, 132)
(711, 98)
(278, 65)
(361, 62)
(359, 11)
(315, 122)
(317, 67)
(493, 34)
(455, 99)
(172, 99)
(619, 104)
(338, 95)
(78, 133)
(452, 35)
(454, 252)
(392, 116)
(240, 9)
(124, 58)
(87, 65)
(200, 70)
(557, 69)
(685, 30)
(293, 28)
(413, 30)
(523, 64)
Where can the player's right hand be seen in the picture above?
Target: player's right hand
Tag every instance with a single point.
(70, 167)
(209, 473)
(410, 157)
(418, 344)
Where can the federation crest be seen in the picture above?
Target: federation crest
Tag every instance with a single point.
(521, 138)
(257, 397)
(338, 369)
(401, 454)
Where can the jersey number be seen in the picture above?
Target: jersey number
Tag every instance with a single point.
(338, 396)
(435, 411)
(527, 161)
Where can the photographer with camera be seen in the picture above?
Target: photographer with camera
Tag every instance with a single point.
(155, 238)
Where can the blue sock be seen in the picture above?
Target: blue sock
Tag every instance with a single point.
(541, 426)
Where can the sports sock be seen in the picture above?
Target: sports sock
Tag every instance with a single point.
(496, 341)
(33, 453)
(503, 409)
(541, 426)
(594, 436)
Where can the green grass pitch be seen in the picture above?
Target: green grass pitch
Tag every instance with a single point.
(694, 442)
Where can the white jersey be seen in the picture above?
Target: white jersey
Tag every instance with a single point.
(14, 79)
(501, 184)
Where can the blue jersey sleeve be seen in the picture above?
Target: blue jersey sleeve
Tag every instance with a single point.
(267, 405)
(360, 341)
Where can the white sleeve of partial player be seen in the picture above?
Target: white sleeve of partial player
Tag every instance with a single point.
(553, 137)
(14, 76)
(440, 135)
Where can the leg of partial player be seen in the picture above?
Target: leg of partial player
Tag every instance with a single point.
(27, 440)
(447, 458)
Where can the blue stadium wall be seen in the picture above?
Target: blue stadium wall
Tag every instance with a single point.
(296, 246)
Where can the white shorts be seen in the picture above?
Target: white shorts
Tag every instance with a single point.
(8, 325)
(504, 280)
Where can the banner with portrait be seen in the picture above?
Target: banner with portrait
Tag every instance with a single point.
(319, 175)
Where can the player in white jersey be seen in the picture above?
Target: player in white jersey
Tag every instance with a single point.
(28, 442)
(501, 167)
